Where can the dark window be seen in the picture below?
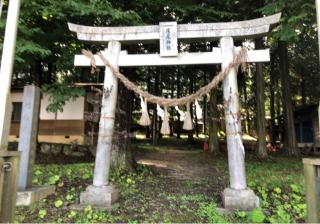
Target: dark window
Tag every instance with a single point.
(298, 132)
(16, 112)
(307, 131)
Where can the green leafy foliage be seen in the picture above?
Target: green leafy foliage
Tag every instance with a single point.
(208, 211)
(295, 16)
(241, 214)
(72, 214)
(60, 94)
(279, 184)
(148, 197)
(42, 213)
(58, 203)
(257, 216)
(53, 179)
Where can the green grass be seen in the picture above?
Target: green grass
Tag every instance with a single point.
(279, 183)
(147, 197)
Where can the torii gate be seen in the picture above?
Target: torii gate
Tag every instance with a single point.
(238, 196)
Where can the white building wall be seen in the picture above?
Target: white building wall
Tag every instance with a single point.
(44, 114)
(17, 97)
(73, 110)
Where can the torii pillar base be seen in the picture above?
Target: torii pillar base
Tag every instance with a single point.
(243, 200)
(33, 194)
(98, 197)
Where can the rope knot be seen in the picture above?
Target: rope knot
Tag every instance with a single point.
(240, 59)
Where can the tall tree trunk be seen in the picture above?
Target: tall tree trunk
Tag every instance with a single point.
(196, 124)
(194, 85)
(121, 154)
(178, 95)
(160, 87)
(261, 122)
(290, 135)
(36, 70)
(149, 90)
(155, 136)
(49, 78)
(213, 123)
(154, 125)
(190, 133)
(245, 95)
(171, 120)
(205, 103)
(272, 109)
(303, 91)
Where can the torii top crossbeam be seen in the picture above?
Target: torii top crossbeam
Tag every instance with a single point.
(240, 29)
(168, 33)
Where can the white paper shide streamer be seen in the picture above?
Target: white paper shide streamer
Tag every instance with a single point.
(187, 125)
(145, 119)
(160, 112)
(198, 110)
(165, 128)
(181, 113)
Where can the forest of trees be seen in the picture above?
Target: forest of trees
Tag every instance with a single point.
(45, 50)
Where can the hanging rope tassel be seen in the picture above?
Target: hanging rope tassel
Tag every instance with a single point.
(165, 128)
(198, 110)
(181, 113)
(187, 125)
(145, 119)
(160, 112)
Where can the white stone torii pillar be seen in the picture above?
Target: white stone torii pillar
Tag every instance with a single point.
(238, 196)
(231, 100)
(101, 193)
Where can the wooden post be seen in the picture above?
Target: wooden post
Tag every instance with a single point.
(312, 186)
(318, 21)
(9, 162)
(6, 69)
(319, 115)
(4, 134)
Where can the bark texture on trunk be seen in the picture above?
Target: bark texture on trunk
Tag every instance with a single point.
(261, 122)
(155, 136)
(272, 103)
(213, 123)
(121, 153)
(178, 95)
(289, 131)
(191, 86)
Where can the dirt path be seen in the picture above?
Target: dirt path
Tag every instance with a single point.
(181, 164)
